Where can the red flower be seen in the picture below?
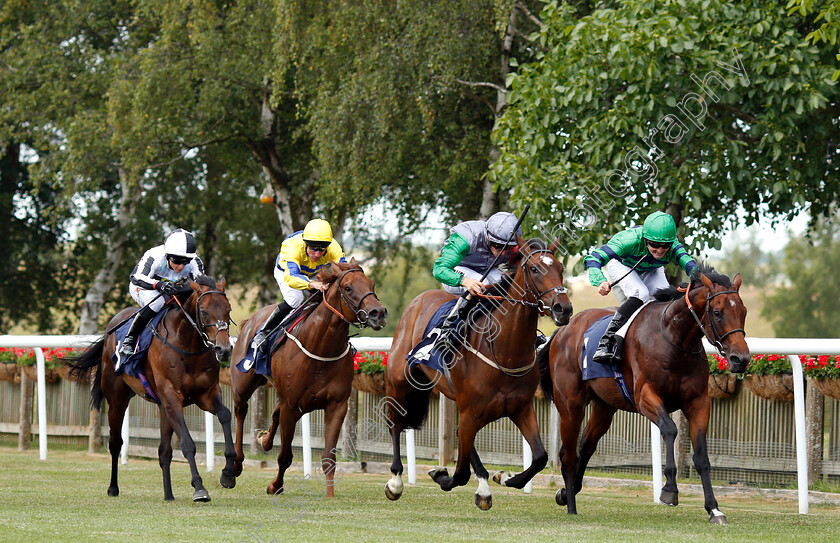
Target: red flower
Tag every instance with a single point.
(722, 365)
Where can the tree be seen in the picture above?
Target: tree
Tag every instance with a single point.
(644, 106)
(808, 307)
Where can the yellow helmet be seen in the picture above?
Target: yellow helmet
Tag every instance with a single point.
(317, 230)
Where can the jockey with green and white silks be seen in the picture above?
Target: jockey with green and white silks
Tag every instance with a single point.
(636, 258)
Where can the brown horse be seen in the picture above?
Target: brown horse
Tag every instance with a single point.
(494, 375)
(312, 369)
(664, 368)
(182, 368)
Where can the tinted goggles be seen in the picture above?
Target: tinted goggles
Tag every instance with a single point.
(499, 246)
(179, 260)
(657, 245)
(318, 245)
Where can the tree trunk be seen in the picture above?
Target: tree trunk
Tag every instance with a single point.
(814, 418)
(95, 433)
(446, 430)
(25, 428)
(682, 445)
(267, 294)
(104, 281)
(347, 439)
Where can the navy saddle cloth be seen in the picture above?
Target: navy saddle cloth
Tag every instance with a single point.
(133, 365)
(593, 370)
(435, 356)
(262, 361)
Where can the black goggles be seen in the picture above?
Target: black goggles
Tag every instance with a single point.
(657, 245)
(179, 260)
(318, 245)
(499, 246)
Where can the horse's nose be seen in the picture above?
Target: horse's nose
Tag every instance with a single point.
(222, 353)
(738, 363)
(561, 313)
(377, 318)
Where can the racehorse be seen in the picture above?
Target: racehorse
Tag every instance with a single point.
(664, 367)
(495, 375)
(182, 368)
(312, 369)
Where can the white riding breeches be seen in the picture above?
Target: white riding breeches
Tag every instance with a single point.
(636, 285)
(145, 297)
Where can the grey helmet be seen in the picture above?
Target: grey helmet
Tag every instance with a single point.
(499, 228)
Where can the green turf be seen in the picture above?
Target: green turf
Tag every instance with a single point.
(64, 499)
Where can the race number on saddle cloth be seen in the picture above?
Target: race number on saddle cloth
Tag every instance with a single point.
(436, 356)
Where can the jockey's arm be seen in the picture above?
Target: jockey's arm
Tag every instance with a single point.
(453, 252)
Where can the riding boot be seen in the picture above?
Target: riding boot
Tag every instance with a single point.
(140, 321)
(607, 351)
(540, 342)
(448, 333)
(280, 312)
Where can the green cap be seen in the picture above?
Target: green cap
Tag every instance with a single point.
(660, 227)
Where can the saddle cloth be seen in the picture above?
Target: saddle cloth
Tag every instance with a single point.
(133, 364)
(435, 356)
(262, 361)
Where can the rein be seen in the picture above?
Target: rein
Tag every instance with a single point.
(220, 325)
(360, 314)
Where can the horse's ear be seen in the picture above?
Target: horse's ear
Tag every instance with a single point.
(521, 242)
(195, 286)
(706, 281)
(221, 283)
(736, 283)
(554, 245)
(329, 270)
(353, 262)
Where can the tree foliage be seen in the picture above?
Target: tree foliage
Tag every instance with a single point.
(695, 109)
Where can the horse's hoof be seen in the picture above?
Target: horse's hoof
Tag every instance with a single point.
(390, 494)
(483, 502)
(201, 496)
(437, 473)
(501, 477)
(560, 497)
(113, 491)
(270, 490)
(669, 498)
(718, 519)
(266, 445)
(227, 481)
(237, 469)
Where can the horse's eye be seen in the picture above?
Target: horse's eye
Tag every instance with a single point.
(533, 269)
(718, 314)
(347, 289)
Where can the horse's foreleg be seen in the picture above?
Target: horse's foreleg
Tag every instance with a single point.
(698, 420)
(165, 456)
(333, 417)
(228, 477)
(174, 410)
(240, 408)
(287, 419)
(394, 487)
(483, 495)
(526, 421)
(571, 419)
(651, 407)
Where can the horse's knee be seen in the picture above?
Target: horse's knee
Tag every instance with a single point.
(223, 413)
(540, 460)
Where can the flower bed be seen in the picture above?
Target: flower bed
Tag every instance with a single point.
(722, 384)
(824, 372)
(369, 369)
(14, 361)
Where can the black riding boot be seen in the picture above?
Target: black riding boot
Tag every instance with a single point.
(447, 328)
(606, 347)
(141, 319)
(280, 312)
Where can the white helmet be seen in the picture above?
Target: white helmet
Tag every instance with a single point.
(180, 243)
(500, 228)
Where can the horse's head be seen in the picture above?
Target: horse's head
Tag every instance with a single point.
(724, 314)
(542, 278)
(212, 315)
(358, 302)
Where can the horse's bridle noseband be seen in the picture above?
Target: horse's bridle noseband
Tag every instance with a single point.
(716, 338)
(361, 315)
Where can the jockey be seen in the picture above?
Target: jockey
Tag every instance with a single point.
(153, 279)
(635, 257)
(302, 255)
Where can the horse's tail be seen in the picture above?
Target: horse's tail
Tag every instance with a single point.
(90, 361)
(416, 408)
(545, 372)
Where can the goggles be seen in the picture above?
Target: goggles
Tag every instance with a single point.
(179, 260)
(657, 245)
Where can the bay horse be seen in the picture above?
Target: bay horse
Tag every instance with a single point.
(182, 368)
(312, 369)
(664, 367)
(484, 390)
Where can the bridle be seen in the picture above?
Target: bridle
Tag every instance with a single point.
(531, 288)
(198, 325)
(715, 338)
(361, 316)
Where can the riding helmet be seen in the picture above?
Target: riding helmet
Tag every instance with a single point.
(317, 230)
(180, 243)
(660, 227)
(499, 228)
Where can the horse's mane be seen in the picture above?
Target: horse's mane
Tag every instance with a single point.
(206, 280)
(326, 275)
(671, 293)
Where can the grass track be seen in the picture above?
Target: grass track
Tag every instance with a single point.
(64, 499)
